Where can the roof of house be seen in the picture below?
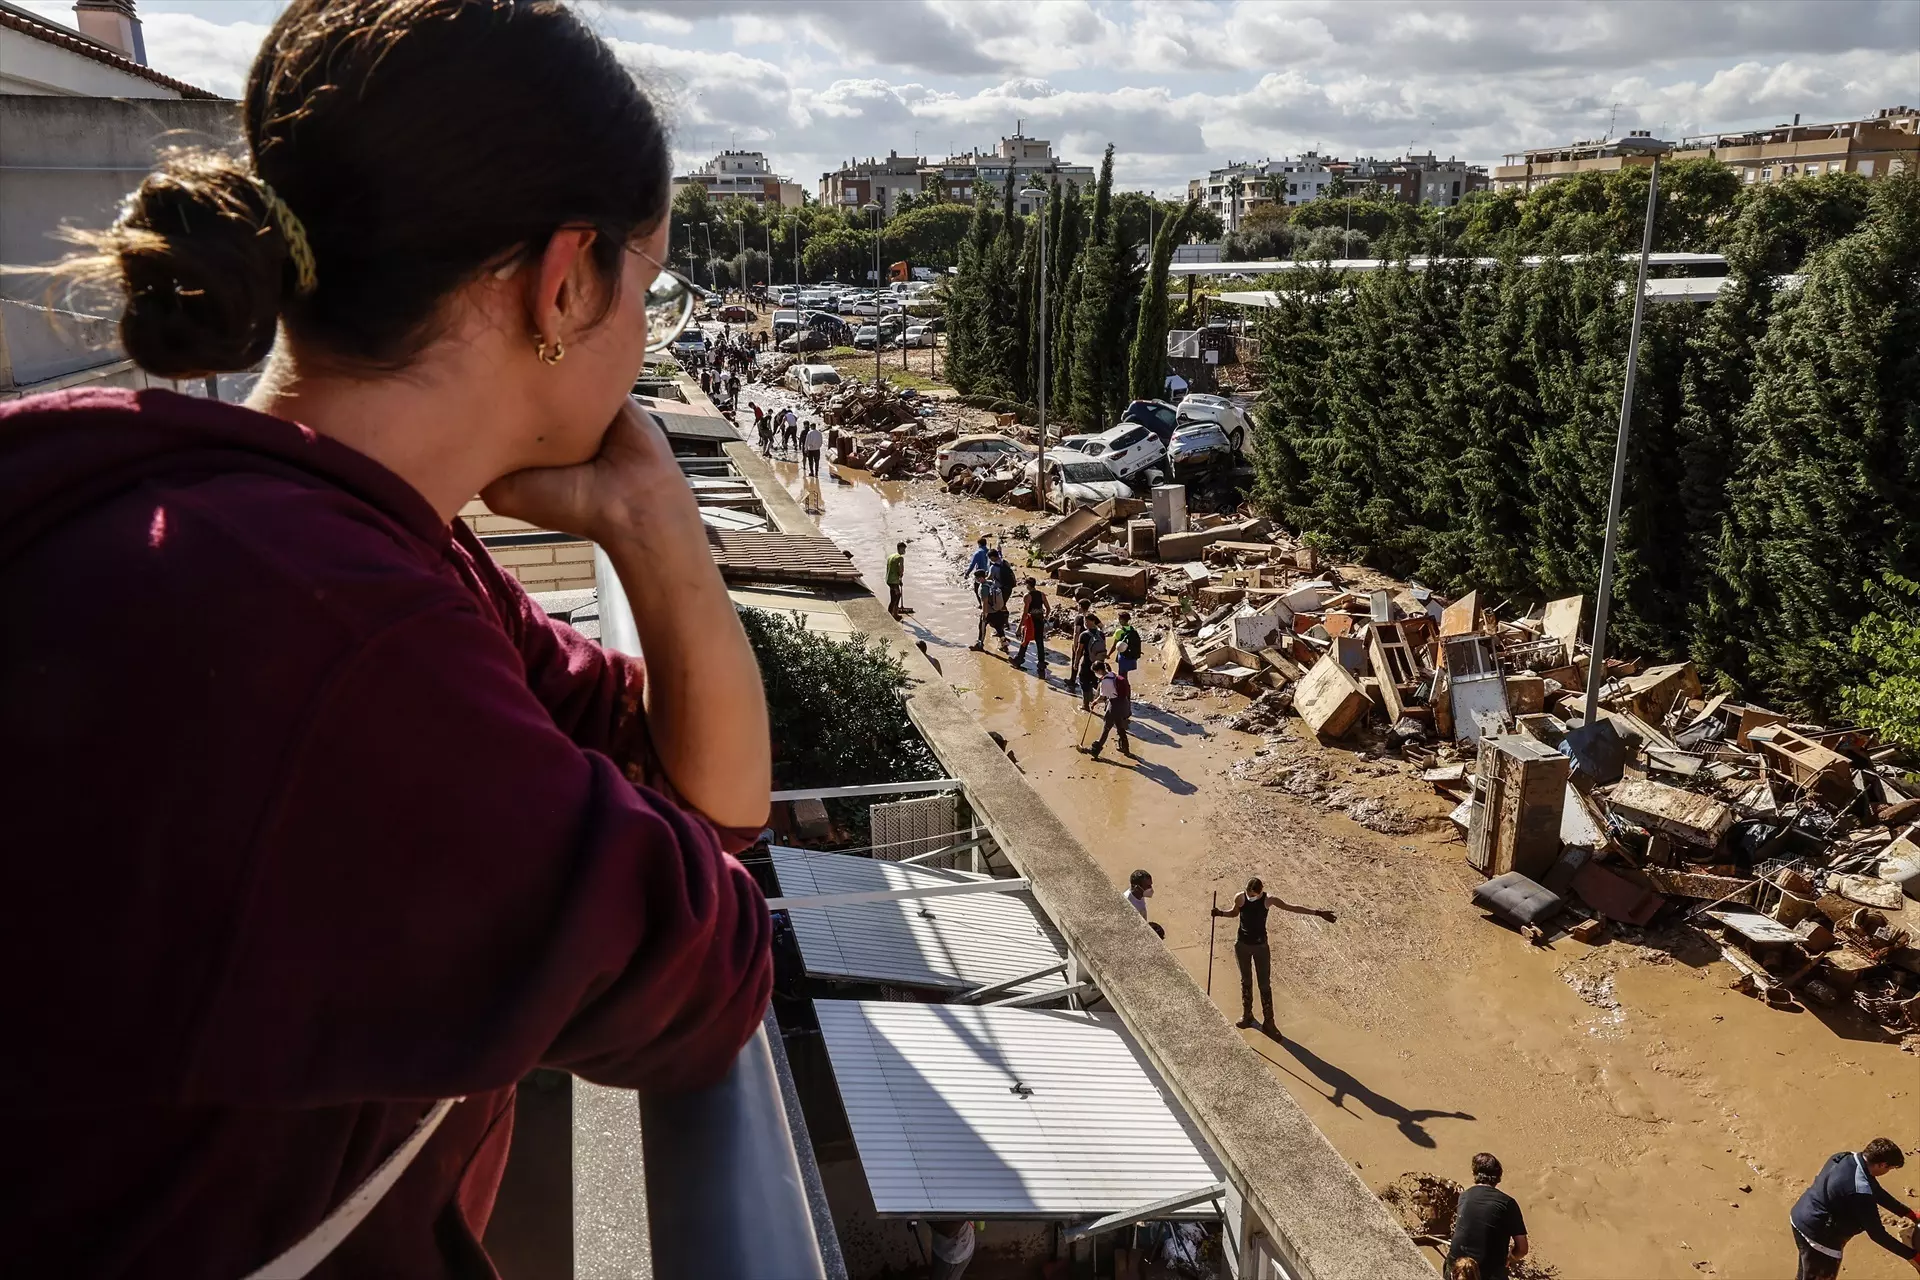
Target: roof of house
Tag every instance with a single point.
(32, 24)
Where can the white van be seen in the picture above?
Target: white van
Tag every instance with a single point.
(811, 379)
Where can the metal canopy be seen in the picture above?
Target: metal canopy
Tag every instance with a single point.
(967, 1112)
(948, 943)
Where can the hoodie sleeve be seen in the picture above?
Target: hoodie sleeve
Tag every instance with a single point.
(595, 695)
(450, 890)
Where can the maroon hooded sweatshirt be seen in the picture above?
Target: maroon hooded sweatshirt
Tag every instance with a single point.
(311, 818)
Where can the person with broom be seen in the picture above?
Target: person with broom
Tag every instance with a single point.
(1250, 949)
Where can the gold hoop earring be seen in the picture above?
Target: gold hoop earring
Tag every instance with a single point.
(555, 356)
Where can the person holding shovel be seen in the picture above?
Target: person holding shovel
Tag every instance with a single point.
(1250, 949)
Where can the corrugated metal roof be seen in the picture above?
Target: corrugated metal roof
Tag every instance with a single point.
(950, 944)
(942, 1131)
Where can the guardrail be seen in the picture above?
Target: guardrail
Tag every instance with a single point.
(724, 1185)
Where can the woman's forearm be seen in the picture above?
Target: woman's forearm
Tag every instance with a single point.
(706, 712)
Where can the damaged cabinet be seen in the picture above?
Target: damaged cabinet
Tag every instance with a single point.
(1515, 821)
(1474, 683)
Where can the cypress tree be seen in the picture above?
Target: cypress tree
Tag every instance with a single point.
(1147, 369)
(1825, 497)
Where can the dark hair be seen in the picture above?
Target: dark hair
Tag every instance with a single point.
(1134, 880)
(900, 546)
(1486, 1169)
(1884, 1151)
(417, 143)
(1254, 885)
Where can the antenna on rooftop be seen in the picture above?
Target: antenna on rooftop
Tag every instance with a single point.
(1613, 116)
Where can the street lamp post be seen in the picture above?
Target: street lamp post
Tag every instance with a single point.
(707, 228)
(1597, 660)
(874, 212)
(1040, 474)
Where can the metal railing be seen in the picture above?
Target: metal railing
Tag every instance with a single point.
(725, 1191)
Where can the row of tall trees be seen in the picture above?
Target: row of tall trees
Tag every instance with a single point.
(1106, 309)
(1457, 424)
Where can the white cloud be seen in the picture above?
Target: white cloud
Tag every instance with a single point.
(212, 55)
(1182, 85)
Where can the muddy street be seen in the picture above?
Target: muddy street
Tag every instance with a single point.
(1653, 1122)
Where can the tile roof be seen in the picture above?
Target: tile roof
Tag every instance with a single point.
(31, 24)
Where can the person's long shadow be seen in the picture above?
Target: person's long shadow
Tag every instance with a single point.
(1173, 720)
(1158, 773)
(1345, 1085)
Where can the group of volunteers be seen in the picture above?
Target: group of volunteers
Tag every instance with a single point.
(1089, 668)
(779, 433)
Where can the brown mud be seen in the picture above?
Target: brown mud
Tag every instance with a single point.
(1653, 1122)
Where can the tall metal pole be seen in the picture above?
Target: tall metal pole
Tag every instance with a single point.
(1597, 659)
(796, 266)
(877, 211)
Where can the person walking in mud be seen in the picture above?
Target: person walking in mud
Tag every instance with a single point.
(810, 446)
(1088, 654)
(1001, 571)
(1116, 699)
(1250, 950)
(1033, 629)
(987, 593)
(1488, 1229)
(1125, 645)
(1845, 1200)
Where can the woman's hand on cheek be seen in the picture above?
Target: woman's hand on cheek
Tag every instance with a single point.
(631, 488)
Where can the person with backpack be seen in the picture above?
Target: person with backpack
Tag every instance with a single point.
(1089, 652)
(1116, 694)
(1124, 644)
(992, 605)
(1001, 571)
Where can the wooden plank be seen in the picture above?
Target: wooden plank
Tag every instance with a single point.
(1386, 676)
(1458, 619)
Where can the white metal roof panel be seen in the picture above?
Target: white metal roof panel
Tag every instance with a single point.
(950, 944)
(942, 1132)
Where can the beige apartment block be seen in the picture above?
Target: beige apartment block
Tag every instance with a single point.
(1885, 143)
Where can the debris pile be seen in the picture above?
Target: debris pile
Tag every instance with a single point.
(864, 406)
(1794, 847)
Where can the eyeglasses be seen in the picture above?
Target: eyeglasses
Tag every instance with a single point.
(670, 302)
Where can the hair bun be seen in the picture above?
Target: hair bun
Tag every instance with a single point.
(203, 264)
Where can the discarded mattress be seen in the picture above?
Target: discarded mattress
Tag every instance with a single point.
(1515, 898)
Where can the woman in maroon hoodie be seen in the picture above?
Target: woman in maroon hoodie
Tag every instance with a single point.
(313, 819)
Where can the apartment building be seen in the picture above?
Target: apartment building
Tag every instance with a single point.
(745, 174)
(1886, 142)
(872, 181)
(1027, 161)
(1417, 179)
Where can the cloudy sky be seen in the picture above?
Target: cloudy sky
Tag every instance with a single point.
(1182, 85)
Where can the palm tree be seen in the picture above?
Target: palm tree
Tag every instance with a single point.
(1234, 187)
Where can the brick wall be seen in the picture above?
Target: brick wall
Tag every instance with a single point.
(565, 566)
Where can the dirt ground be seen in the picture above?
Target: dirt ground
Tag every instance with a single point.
(1653, 1122)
